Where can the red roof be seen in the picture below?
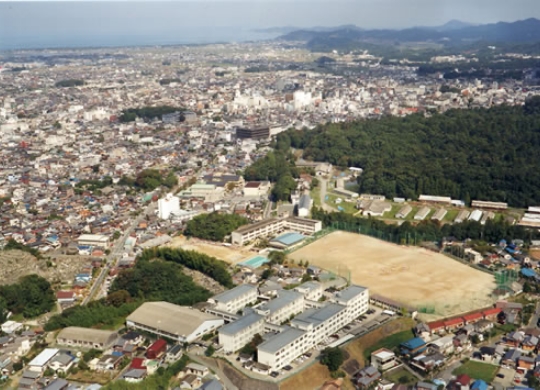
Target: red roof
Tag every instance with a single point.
(473, 316)
(138, 363)
(157, 346)
(463, 379)
(436, 325)
(490, 312)
(65, 295)
(453, 321)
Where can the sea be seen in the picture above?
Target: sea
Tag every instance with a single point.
(80, 24)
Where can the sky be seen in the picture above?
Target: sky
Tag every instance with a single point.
(71, 20)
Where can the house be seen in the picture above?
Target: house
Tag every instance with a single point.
(367, 377)
(109, 362)
(524, 364)
(157, 349)
(428, 362)
(473, 318)
(462, 382)
(57, 384)
(65, 297)
(40, 362)
(62, 362)
(454, 323)
(190, 381)
(10, 327)
(413, 346)
(29, 379)
(425, 386)
(197, 369)
(211, 385)
(174, 353)
(510, 357)
(479, 384)
(530, 343)
(383, 359)
(134, 375)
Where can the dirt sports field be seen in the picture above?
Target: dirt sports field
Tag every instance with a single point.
(229, 254)
(410, 275)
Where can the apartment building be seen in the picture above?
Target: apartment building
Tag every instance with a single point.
(280, 309)
(235, 335)
(236, 299)
(273, 226)
(283, 348)
(311, 290)
(313, 326)
(355, 298)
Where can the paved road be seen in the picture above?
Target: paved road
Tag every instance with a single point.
(197, 356)
(324, 184)
(116, 253)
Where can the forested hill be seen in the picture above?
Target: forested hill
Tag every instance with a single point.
(486, 154)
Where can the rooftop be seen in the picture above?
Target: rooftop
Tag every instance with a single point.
(240, 324)
(349, 293)
(235, 293)
(317, 316)
(280, 340)
(87, 335)
(284, 298)
(170, 318)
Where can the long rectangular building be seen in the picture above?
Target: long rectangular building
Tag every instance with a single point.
(179, 323)
(231, 301)
(235, 335)
(481, 204)
(273, 226)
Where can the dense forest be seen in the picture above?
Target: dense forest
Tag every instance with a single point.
(210, 266)
(147, 113)
(484, 154)
(406, 233)
(31, 297)
(214, 226)
(147, 281)
(150, 179)
(69, 83)
(278, 168)
(160, 281)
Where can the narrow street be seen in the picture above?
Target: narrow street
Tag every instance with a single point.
(212, 366)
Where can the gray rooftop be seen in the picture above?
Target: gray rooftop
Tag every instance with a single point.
(240, 324)
(311, 285)
(317, 316)
(280, 340)
(284, 298)
(349, 293)
(235, 293)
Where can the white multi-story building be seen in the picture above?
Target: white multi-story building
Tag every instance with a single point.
(280, 309)
(168, 205)
(313, 326)
(236, 299)
(235, 335)
(312, 290)
(273, 226)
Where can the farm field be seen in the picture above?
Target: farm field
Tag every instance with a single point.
(231, 255)
(411, 275)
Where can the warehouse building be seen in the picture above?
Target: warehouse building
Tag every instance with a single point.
(489, 205)
(86, 338)
(404, 211)
(178, 323)
(422, 214)
(439, 215)
(463, 215)
(93, 240)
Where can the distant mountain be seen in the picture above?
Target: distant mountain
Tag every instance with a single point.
(290, 29)
(455, 32)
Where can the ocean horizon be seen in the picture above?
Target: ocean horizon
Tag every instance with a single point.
(55, 25)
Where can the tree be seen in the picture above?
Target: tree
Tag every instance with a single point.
(214, 226)
(332, 358)
(17, 366)
(116, 235)
(267, 273)
(118, 298)
(210, 350)
(277, 257)
(306, 278)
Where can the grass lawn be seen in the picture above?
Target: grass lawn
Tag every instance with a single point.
(401, 375)
(451, 215)
(315, 195)
(410, 216)
(348, 207)
(477, 370)
(392, 213)
(390, 342)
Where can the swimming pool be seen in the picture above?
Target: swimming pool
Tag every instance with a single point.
(255, 262)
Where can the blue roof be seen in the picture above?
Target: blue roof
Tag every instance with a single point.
(527, 272)
(414, 343)
(479, 385)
